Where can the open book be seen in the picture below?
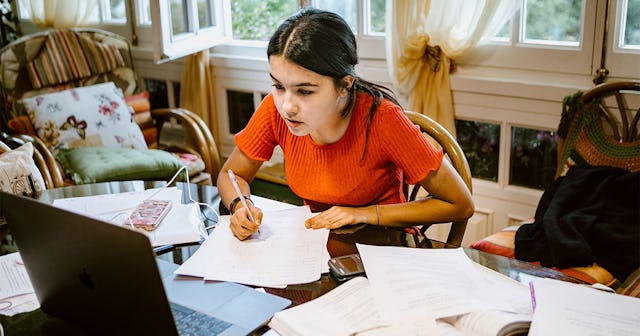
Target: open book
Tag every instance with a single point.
(350, 310)
(490, 322)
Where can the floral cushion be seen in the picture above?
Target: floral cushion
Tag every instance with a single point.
(91, 116)
(19, 173)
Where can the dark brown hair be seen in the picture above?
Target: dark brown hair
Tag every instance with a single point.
(322, 42)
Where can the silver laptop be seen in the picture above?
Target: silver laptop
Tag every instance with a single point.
(104, 279)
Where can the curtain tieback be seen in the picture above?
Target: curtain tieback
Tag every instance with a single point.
(434, 56)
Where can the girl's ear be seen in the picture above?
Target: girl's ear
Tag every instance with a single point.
(347, 83)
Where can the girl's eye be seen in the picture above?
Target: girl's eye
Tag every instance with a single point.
(305, 92)
(278, 87)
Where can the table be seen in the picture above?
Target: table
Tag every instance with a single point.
(296, 293)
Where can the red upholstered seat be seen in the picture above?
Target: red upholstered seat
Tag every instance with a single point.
(502, 243)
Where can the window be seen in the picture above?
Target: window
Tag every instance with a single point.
(258, 19)
(546, 35)
(113, 11)
(552, 23)
(628, 34)
(623, 52)
(533, 158)
(480, 142)
(241, 109)
(109, 15)
(182, 27)
(253, 22)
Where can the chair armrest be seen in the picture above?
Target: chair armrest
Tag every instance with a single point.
(193, 125)
(42, 157)
(53, 168)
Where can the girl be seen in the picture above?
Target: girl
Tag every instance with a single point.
(346, 142)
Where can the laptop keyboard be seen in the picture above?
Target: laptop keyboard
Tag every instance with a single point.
(191, 322)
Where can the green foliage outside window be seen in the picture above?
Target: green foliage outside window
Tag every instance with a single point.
(558, 20)
(378, 19)
(481, 145)
(632, 27)
(9, 28)
(258, 19)
(533, 157)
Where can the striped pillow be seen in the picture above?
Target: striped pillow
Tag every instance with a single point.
(67, 56)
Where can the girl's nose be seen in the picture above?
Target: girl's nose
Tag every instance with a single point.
(289, 106)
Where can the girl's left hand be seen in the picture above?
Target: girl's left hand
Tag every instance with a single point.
(337, 217)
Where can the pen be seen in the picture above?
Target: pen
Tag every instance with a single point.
(232, 176)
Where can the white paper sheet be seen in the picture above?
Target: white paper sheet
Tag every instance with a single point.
(14, 279)
(429, 282)
(346, 310)
(564, 308)
(285, 252)
(16, 291)
(178, 227)
(266, 204)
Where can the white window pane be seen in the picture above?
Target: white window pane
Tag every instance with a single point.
(631, 29)
(175, 28)
(206, 14)
(348, 9)
(179, 20)
(504, 35)
(117, 10)
(258, 19)
(95, 15)
(376, 17)
(23, 10)
(553, 22)
(144, 12)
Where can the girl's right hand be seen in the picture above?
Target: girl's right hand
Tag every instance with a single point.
(241, 226)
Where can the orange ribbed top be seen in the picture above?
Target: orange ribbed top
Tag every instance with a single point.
(326, 175)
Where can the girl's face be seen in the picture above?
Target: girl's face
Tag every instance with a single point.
(308, 102)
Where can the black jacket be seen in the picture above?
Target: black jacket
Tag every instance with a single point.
(590, 215)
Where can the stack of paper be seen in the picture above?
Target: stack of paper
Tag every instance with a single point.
(178, 227)
(414, 292)
(283, 253)
(16, 292)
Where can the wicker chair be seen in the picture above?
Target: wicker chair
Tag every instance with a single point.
(599, 128)
(415, 236)
(39, 63)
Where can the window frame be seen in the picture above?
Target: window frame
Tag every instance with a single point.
(620, 62)
(167, 47)
(582, 61)
(516, 54)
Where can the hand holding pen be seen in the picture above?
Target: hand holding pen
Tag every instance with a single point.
(246, 225)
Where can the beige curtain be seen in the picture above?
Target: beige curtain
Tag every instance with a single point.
(196, 91)
(60, 13)
(424, 36)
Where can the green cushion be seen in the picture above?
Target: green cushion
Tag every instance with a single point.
(100, 164)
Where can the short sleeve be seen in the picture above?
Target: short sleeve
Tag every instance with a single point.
(406, 146)
(257, 140)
